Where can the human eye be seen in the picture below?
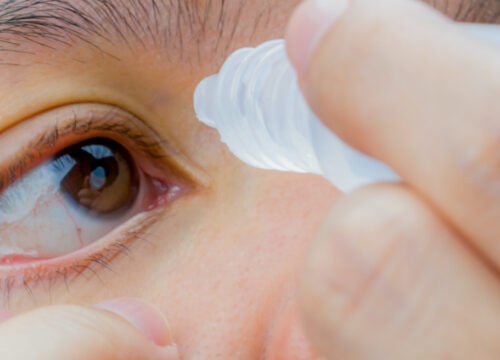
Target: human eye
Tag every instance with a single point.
(78, 185)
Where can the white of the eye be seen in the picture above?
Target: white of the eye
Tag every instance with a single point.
(61, 166)
(9, 249)
(19, 199)
(37, 219)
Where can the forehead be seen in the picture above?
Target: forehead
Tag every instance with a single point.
(134, 54)
(179, 27)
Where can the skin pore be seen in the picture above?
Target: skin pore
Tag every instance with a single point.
(221, 260)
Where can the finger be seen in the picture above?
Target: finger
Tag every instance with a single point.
(403, 83)
(127, 329)
(386, 279)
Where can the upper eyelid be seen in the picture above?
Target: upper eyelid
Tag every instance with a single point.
(101, 118)
(38, 146)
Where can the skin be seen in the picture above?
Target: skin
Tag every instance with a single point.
(419, 279)
(222, 267)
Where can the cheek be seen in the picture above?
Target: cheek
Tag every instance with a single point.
(244, 262)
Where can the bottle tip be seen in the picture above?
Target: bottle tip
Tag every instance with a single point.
(203, 103)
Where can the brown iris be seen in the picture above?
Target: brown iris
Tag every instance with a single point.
(101, 176)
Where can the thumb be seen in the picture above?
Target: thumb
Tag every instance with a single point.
(381, 73)
(116, 329)
(401, 82)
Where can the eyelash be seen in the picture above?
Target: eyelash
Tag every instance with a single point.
(70, 272)
(30, 156)
(108, 124)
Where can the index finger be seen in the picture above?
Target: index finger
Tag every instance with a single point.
(118, 329)
(401, 82)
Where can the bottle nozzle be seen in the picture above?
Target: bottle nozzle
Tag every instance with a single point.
(205, 109)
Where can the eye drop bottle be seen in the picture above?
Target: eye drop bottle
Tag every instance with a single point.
(256, 105)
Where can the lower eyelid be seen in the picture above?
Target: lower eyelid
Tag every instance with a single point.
(103, 250)
(67, 268)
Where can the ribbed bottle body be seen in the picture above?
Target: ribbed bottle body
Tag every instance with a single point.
(256, 105)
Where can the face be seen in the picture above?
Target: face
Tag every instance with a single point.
(111, 187)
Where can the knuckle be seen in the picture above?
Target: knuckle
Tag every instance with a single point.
(385, 210)
(374, 233)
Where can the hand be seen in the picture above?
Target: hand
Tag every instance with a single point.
(411, 270)
(116, 329)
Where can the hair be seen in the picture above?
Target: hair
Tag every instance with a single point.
(483, 11)
(136, 23)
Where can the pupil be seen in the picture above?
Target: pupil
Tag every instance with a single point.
(98, 175)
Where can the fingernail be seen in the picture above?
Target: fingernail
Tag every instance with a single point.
(306, 27)
(4, 315)
(143, 316)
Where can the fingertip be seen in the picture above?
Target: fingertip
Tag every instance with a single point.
(147, 319)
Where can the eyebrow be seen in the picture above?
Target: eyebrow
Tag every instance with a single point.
(162, 23)
(166, 23)
(483, 11)
(480, 11)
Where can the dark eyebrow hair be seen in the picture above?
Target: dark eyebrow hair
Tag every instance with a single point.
(481, 11)
(484, 11)
(166, 23)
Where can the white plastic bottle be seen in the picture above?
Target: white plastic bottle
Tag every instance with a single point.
(256, 105)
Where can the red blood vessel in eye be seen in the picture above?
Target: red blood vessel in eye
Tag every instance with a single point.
(81, 193)
(74, 199)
